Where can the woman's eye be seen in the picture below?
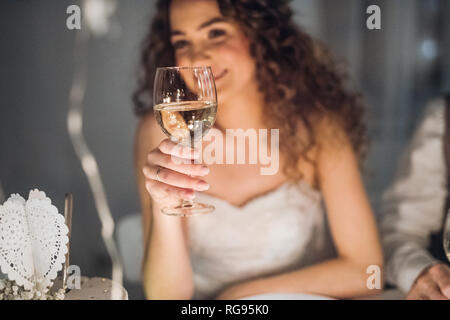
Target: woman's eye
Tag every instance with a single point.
(180, 44)
(215, 33)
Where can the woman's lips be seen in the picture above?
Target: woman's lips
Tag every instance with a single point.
(220, 75)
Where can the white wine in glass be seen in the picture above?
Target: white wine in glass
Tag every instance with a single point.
(185, 106)
(185, 122)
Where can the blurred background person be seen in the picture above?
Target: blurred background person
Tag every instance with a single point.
(415, 207)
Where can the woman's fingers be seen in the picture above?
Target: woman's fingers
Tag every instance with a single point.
(170, 175)
(177, 164)
(174, 178)
(163, 192)
(171, 148)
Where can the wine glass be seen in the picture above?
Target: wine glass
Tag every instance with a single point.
(185, 106)
(446, 236)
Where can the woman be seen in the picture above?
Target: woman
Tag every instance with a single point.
(265, 235)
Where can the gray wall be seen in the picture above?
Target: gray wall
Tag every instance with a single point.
(35, 152)
(36, 64)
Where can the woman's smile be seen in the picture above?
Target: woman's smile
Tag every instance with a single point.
(219, 75)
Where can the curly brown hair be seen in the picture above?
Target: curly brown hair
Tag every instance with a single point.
(301, 82)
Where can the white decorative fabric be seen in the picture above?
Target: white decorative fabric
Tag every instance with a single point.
(277, 232)
(413, 206)
(33, 240)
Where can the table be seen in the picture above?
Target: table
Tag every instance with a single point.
(96, 288)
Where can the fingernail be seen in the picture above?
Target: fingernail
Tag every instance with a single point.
(205, 170)
(189, 195)
(145, 170)
(202, 185)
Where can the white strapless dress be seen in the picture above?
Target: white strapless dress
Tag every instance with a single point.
(280, 231)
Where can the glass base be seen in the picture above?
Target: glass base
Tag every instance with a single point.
(188, 209)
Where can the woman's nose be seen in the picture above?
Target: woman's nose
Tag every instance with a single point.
(200, 57)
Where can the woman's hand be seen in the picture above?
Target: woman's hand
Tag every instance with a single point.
(168, 173)
(432, 284)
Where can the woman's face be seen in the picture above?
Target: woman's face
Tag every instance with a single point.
(201, 36)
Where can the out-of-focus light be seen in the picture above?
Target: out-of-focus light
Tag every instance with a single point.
(98, 15)
(428, 49)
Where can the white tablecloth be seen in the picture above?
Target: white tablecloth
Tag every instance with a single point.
(94, 289)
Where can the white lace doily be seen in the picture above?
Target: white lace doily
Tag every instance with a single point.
(33, 240)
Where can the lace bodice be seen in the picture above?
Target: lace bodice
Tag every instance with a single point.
(279, 231)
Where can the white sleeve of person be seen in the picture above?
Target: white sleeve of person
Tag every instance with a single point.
(413, 205)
